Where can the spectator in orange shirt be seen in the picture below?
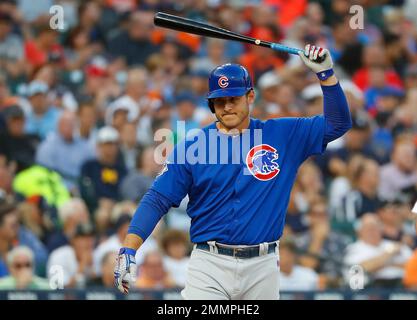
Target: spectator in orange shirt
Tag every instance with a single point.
(152, 274)
(288, 11)
(190, 41)
(410, 272)
(259, 59)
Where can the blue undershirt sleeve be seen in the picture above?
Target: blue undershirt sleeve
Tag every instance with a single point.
(151, 209)
(336, 113)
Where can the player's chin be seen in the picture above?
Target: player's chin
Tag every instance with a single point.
(231, 120)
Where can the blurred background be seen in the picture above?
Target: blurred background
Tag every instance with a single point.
(79, 107)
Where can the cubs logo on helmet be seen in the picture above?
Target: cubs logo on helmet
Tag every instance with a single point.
(261, 162)
(223, 82)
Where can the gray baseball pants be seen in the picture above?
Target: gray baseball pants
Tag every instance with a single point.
(212, 276)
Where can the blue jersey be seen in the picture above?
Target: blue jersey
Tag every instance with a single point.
(243, 201)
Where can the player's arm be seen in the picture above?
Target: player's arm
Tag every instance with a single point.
(133, 241)
(335, 107)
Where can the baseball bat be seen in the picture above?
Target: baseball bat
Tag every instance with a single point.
(170, 21)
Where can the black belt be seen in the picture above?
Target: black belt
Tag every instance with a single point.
(237, 252)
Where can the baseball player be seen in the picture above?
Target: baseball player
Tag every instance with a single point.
(414, 210)
(237, 209)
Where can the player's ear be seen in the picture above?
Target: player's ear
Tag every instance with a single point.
(211, 105)
(251, 96)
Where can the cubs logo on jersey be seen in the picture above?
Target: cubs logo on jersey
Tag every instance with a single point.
(261, 162)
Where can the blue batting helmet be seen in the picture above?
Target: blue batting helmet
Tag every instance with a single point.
(228, 80)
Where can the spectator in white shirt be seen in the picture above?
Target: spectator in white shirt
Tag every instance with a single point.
(75, 260)
(175, 245)
(400, 173)
(381, 260)
(294, 277)
(71, 214)
(135, 91)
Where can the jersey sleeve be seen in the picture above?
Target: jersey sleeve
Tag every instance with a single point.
(310, 136)
(175, 178)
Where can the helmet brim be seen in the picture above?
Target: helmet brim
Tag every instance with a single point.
(230, 92)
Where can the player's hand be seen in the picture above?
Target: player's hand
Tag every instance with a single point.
(310, 55)
(125, 270)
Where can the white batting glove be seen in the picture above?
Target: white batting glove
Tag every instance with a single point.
(125, 270)
(309, 56)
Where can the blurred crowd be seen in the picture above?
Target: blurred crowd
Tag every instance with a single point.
(80, 107)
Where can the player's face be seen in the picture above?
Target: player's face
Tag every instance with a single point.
(233, 112)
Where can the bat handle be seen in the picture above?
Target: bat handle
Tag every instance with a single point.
(282, 48)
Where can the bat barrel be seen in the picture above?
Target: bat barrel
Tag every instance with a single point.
(169, 21)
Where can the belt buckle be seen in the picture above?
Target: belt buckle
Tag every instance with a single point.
(236, 250)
